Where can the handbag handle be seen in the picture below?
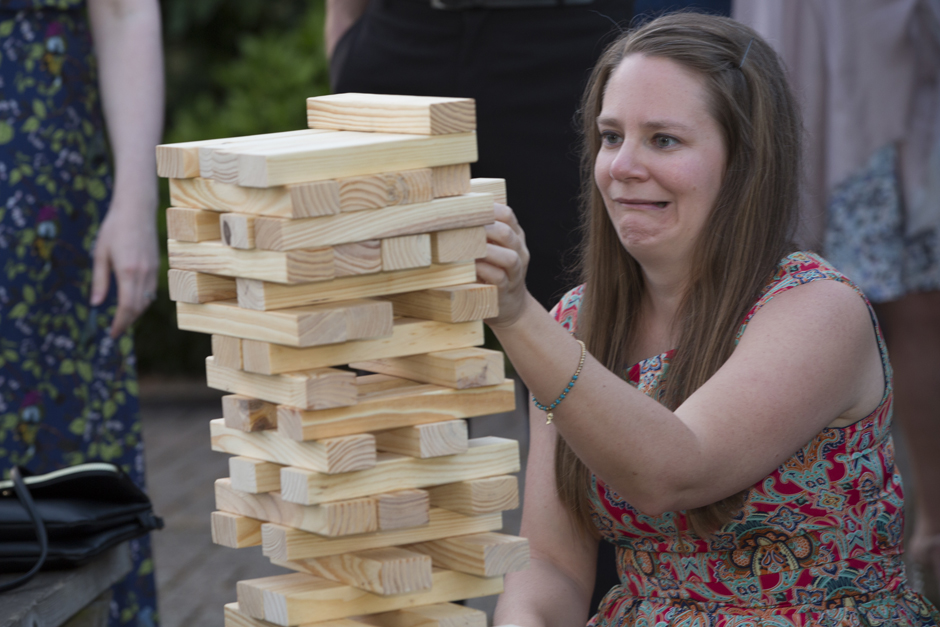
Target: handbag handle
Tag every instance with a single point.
(22, 492)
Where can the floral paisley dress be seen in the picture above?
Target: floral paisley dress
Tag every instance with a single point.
(817, 542)
(68, 392)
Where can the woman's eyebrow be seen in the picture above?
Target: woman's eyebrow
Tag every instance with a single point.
(650, 125)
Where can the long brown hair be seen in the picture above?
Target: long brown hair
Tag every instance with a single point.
(747, 233)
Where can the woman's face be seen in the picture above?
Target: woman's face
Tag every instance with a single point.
(662, 157)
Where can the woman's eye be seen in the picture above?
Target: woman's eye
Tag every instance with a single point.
(664, 141)
(609, 138)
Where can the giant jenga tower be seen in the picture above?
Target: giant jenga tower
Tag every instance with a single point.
(351, 243)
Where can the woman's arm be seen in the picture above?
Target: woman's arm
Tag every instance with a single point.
(808, 357)
(556, 588)
(340, 16)
(130, 67)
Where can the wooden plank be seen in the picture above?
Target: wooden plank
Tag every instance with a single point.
(220, 161)
(450, 180)
(408, 403)
(227, 351)
(436, 615)
(477, 496)
(342, 518)
(423, 115)
(380, 571)
(196, 287)
(320, 388)
(234, 531)
(455, 245)
(409, 337)
(457, 303)
(191, 225)
(281, 542)
(296, 266)
(298, 598)
(357, 258)
(248, 414)
(407, 251)
(303, 200)
(263, 295)
(252, 475)
(483, 554)
(234, 617)
(238, 230)
(436, 215)
(331, 456)
(459, 368)
(375, 191)
(404, 508)
(485, 457)
(497, 187)
(312, 325)
(434, 439)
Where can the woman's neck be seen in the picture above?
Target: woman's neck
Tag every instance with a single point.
(657, 331)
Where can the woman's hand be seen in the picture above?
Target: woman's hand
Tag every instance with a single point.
(505, 265)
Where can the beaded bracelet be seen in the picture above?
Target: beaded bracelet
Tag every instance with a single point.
(549, 408)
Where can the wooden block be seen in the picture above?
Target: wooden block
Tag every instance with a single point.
(437, 215)
(342, 518)
(235, 531)
(234, 617)
(195, 287)
(227, 351)
(312, 325)
(485, 457)
(460, 368)
(254, 475)
(357, 258)
(458, 245)
(220, 161)
(497, 187)
(408, 251)
(408, 403)
(449, 180)
(409, 337)
(303, 200)
(330, 456)
(281, 542)
(384, 190)
(458, 303)
(297, 266)
(434, 439)
(405, 508)
(483, 554)
(437, 615)
(477, 496)
(263, 295)
(191, 225)
(320, 388)
(248, 414)
(298, 598)
(238, 230)
(381, 571)
(422, 115)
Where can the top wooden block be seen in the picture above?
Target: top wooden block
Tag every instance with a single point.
(418, 115)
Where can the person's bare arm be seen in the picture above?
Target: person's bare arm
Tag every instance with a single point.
(340, 15)
(130, 66)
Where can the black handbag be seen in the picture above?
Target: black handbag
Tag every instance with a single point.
(65, 518)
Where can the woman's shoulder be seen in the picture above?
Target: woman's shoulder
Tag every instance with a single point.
(565, 312)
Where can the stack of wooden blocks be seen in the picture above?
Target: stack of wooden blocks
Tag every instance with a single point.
(351, 243)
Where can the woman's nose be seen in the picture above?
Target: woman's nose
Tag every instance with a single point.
(628, 163)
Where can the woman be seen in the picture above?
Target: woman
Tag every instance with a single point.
(748, 478)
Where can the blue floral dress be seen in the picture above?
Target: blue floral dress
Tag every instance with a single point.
(68, 392)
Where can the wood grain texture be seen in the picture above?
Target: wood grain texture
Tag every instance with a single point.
(238, 230)
(281, 542)
(248, 414)
(303, 200)
(407, 251)
(192, 225)
(357, 258)
(459, 368)
(234, 531)
(321, 388)
(408, 337)
(298, 266)
(407, 403)
(331, 456)
(263, 295)
(450, 180)
(312, 325)
(187, 286)
(334, 520)
(380, 571)
(252, 475)
(434, 439)
(436, 615)
(404, 508)
(227, 351)
(219, 161)
(497, 187)
(477, 496)
(424, 115)
(485, 457)
(375, 191)
(483, 554)
(455, 245)
(234, 617)
(453, 304)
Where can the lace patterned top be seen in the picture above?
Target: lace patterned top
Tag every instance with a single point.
(817, 542)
